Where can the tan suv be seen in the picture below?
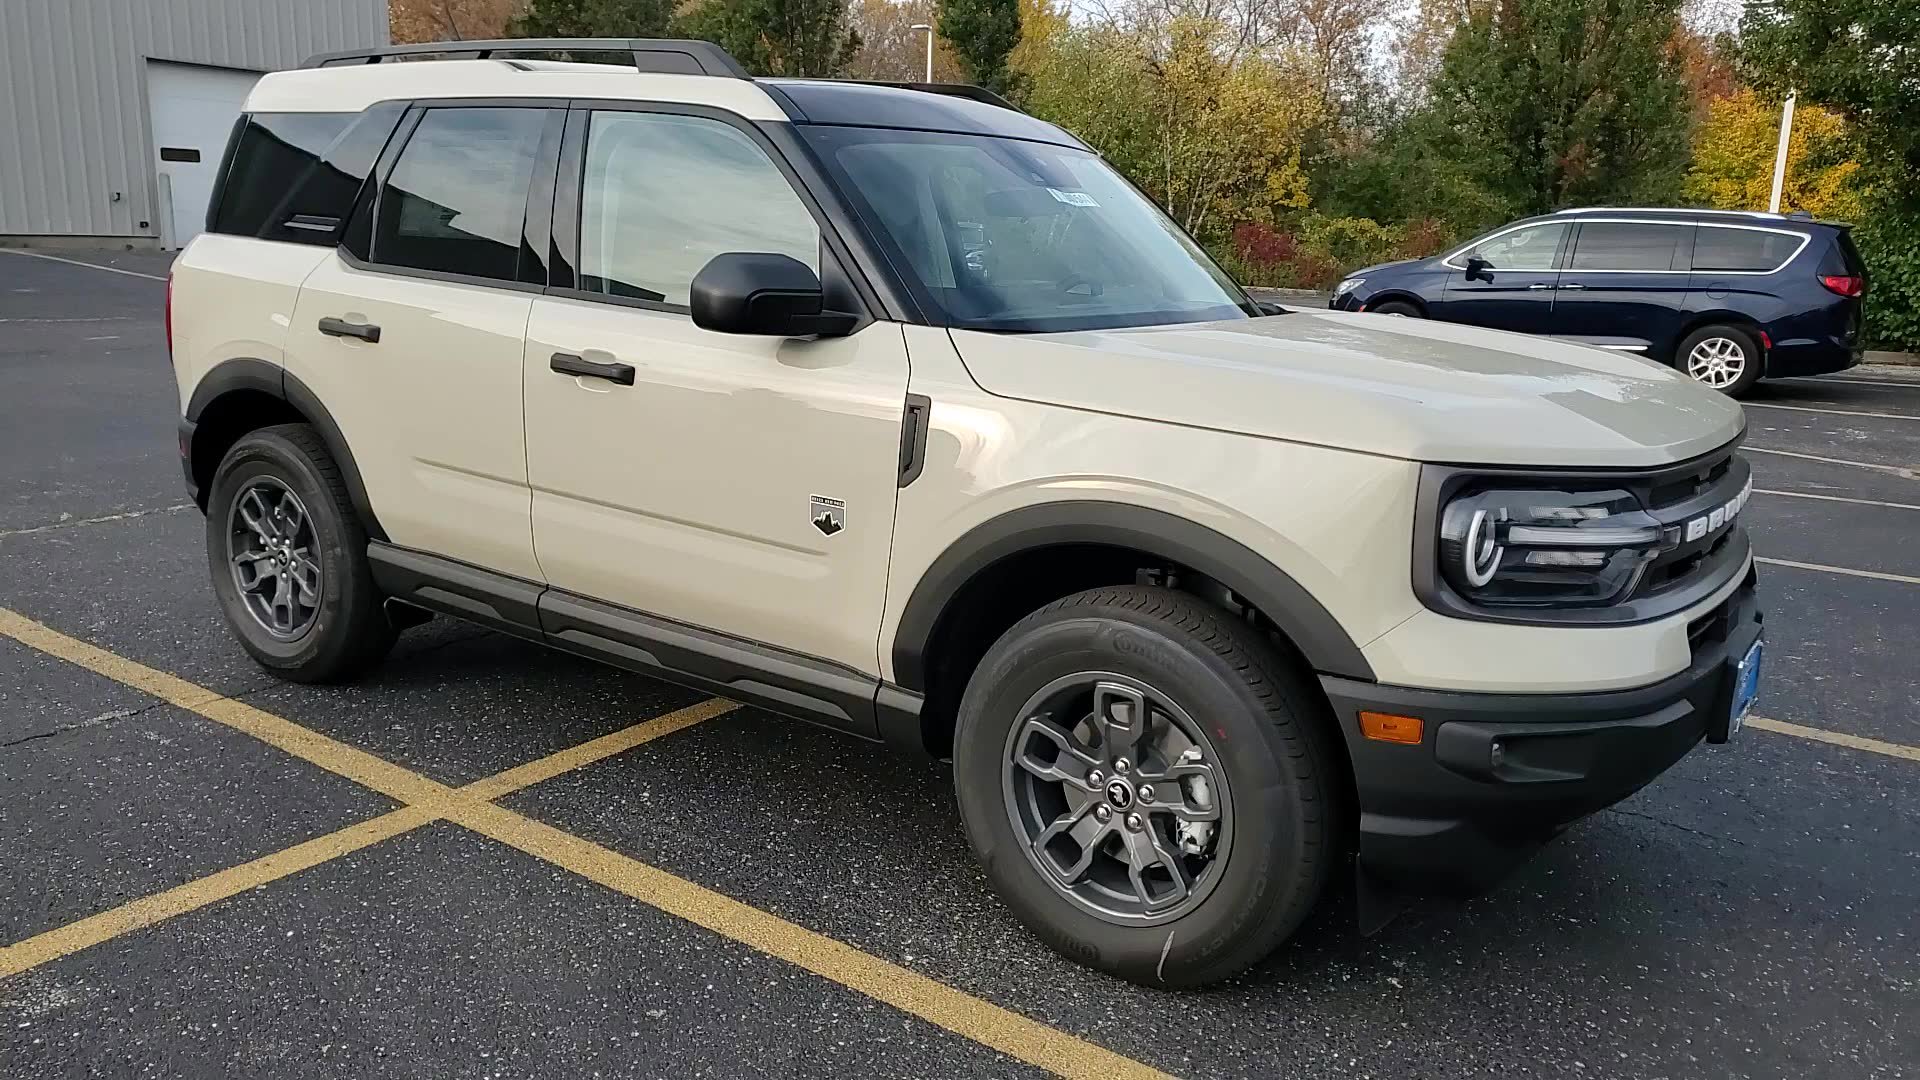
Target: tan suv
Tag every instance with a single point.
(895, 409)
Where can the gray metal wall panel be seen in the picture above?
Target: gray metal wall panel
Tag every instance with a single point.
(74, 125)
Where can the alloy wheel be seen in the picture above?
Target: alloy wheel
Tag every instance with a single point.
(272, 552)
(1718, 362)
(1119, 798)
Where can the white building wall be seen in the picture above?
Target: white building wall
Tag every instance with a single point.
(74, 127)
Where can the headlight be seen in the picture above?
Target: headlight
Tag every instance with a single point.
(1537, 548)
(1348, 285)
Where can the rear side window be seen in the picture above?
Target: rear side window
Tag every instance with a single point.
(1745, 250)
(293, 176)
(456, 200)
(1627, 245)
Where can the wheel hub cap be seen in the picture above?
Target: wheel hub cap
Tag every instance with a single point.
(1079, 768)
(272, 552)
(1718, 362)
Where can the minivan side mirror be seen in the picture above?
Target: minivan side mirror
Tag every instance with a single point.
(758, 292)
(1477, 267)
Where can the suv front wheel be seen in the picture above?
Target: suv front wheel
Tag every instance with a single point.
(289, 559)
(1148, 783)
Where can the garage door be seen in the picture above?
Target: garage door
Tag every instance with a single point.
(193, 113)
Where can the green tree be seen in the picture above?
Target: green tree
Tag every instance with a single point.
(795, 38)
(983, 34)
(1734, 150)
(594, 18)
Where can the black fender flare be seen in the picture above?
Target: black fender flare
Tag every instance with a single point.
(1306, 622)
(250, 374)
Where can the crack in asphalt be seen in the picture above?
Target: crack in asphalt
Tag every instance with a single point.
(91, 722)
(1675, 825)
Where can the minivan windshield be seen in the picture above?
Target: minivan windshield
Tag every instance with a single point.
(1005, 234)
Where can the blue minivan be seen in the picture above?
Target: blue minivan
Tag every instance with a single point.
(1728, 297)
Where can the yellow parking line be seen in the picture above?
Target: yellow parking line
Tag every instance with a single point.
(1825, 569)
(1836, 738)
(1017, 1036)
(909, 991)
(533, 772)
(148, 910)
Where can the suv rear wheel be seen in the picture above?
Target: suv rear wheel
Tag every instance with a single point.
(1726, 358)
(289, 559)
(1147, 782)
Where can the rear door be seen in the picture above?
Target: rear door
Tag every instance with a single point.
(1624, 285)
(1515, 290)
(412, 331)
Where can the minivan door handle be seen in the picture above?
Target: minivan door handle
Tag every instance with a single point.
(569, 364)
(1538, 285)
(1575, 285)
(366, 332)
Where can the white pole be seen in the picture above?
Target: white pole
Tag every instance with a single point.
(929, 30)
(1780, 154)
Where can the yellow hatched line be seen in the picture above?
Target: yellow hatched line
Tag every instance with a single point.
(425, 800)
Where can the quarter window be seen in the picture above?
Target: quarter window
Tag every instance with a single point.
(1741, 249)
(1626, 245)
(457, 198)
(293, 169)
(1532, 248)
(662, 194)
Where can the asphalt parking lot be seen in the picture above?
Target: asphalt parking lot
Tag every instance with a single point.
(493, 860)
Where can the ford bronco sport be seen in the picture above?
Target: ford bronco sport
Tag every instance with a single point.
(895, 409)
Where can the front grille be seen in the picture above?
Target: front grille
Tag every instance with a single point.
(1681, 494)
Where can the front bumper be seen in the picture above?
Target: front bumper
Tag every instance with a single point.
(1451, 815)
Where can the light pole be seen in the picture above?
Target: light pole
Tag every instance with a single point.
(923, 26)
(1780, 154)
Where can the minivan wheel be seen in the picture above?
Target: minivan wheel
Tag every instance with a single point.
(289, 559)
(1397, 307)
(1148, 783)
(1726, 358)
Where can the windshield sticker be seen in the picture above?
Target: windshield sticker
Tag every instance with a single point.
(1073, 198)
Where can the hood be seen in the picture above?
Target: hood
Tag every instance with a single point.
(1404, 388)
(1377, 267)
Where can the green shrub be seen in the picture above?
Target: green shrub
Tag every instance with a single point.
(1890, 244)
(1347, 242)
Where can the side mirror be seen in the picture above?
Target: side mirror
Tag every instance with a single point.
(757, 292)
(1478, 267)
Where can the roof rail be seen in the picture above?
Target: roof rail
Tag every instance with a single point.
(1662, 210)
(668, 55)
(962, 90)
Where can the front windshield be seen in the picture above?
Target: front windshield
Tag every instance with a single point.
(1004, 234)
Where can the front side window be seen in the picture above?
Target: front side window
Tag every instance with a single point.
(1626, 245)
(1531, 248)
(662, 194)
(1748, 250)
(457, 197)
(1005, 234)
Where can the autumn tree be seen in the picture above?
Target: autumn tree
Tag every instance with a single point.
(411, 21)
(890, 50)
(1734, 151)
(594, 18)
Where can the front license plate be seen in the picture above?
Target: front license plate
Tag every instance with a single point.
(1746, 687)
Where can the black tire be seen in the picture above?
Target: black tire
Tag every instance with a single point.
(1399, 307)
(1268, 726)
(1752, 364)
(347, 631)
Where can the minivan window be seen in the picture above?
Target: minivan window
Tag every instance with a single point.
(662, 194)
(457, 197)
(1749, 250)
(1628, 245)
(273, 156)
(996, 233)
(1531, 248)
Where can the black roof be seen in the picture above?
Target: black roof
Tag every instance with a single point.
(923, 107)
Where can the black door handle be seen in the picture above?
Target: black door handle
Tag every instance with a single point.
(366, 332)
(569, 364)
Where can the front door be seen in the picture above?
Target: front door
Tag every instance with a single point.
(416, 348)
(735, 483)
(1510, 283)
(1624, 285)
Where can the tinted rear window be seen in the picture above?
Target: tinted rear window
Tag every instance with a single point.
(1625, 245)
(1854, 264)
(1720, 248)
(294, 175)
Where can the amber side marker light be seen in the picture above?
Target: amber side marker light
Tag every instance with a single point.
(1386, 727)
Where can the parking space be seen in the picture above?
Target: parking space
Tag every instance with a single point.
(728, 892)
